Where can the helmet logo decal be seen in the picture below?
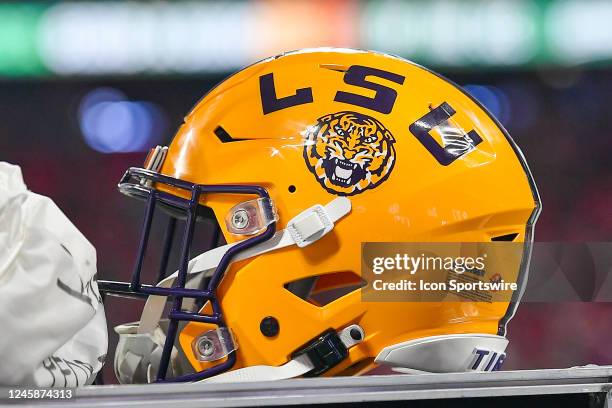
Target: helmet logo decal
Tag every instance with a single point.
(349, 152)
(456, 141)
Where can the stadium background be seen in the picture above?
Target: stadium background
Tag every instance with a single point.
(87, 87)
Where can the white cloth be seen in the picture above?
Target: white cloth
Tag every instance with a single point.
(52, 323)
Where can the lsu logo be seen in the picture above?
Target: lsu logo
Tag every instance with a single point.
(349, 152)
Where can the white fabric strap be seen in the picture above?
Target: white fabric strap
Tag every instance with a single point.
(294, 368)
(138, 355)
(305, 223)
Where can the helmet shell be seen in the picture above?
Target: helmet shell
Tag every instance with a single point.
(295, 124)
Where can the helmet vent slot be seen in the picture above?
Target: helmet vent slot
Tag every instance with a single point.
(321, 290)
(506, 237)
(224, 136)
(334, 67)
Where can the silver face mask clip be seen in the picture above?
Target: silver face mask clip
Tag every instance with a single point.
(251, 217)
(214, 344)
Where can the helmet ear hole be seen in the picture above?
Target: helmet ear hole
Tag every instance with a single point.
(292, 189)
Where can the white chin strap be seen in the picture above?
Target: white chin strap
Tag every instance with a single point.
(304, 229)
(294, 368)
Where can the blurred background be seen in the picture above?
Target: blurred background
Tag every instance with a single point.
(86, 88)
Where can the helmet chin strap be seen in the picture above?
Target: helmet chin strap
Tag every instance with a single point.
(299, 365)
(302, 230)
(294, 368)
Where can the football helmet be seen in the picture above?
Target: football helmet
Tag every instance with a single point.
(298, 160)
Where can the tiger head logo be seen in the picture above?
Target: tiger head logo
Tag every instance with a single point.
(349, 152)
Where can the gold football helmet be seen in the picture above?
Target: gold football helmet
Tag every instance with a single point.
(300, 159)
